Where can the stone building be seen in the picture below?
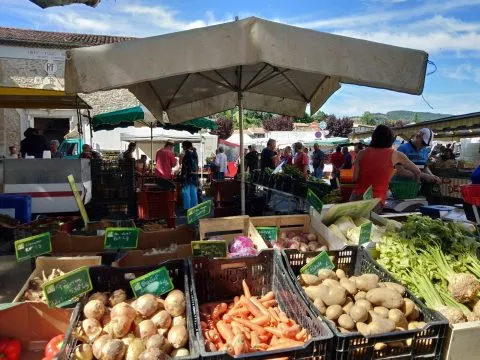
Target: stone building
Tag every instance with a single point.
(36, 59)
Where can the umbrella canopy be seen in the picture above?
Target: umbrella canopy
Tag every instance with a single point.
(252, 63)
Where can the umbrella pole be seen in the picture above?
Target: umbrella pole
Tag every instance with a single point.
(242, 160)
(151, 147)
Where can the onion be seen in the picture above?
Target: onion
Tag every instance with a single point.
(145, 329)
(146, 305)
(135, 348)
(117, 297)
(239, 243)
(283, 235)
(179, 320)
(303, 247)
(178, 336)
(311, 237)
(162, 319)
(159, 342)
(175, 303)
(120, 326)
(94, 309)
(153, 354)
(113, 350)
(99, 344)
(83, 352)
(92, 328)
(123, 309)
(99, 296)
(312, 245)
(294, 245)
(180, 352)
(290, 234)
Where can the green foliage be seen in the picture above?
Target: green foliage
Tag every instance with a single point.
(367, 119)
(339, 127)
(294, 172)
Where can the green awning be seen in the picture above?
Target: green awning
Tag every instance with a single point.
(130, 116)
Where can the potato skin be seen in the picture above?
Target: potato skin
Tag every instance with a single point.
(346, 322)
(333, 312)
(391, 299)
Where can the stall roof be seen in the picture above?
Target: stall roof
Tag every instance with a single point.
(443, 128)
(23, 98)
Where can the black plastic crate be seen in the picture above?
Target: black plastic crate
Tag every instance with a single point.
(215, 280)
(113, 209)
(108, 279)
(426, 343)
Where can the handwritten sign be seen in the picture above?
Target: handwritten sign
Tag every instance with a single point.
(314, 201)
(64, 288)
(200, 211)
(321, 261)
(368, 194)
(33, 246)
(268, 233)
(121, 238)
(365, 231)
(210, 248)
(78, 199)
(156, 282)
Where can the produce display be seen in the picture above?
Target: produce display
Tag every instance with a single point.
(437, 260)
(145, 328)
(361, 303)
(53, 347)
(34, 291)
(10, 349)
(241, 246)
(249, 324)
(304, 242)
(348, 229)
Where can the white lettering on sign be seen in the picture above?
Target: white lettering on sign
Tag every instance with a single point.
(18, 52)
(50, 67)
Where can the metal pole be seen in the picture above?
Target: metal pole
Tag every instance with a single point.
(151, 146)
(242, 157)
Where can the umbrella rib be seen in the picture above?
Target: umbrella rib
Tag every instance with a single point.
(177, 91)
(295, 87)
(268, 78)
(317, 88)
(215, 81)
(223, 78)
(255, 76)
(156, 94)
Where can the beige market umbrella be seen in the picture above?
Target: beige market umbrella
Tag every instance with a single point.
(252, 63)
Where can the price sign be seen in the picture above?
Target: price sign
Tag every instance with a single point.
(200, 211)
(321, 261)
(156, 282)
(64, 288)
(368, 194)
(365, 231)
(33, 246)
(268, 233)
(314, 201)
(210, 248)
(121, 238)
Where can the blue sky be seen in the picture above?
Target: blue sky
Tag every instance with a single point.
(449, 30)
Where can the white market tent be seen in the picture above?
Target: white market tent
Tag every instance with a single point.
(252, 63)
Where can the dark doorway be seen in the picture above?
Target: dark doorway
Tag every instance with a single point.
(52, 128)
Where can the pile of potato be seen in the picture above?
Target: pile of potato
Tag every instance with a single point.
(146, 328)
(361, 303)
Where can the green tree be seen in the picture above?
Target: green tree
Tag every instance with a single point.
(367, 118)
(415, 118)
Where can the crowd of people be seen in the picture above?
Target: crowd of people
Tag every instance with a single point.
(34, 145)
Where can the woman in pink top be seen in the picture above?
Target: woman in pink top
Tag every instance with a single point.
(374, 166)
(301, 159)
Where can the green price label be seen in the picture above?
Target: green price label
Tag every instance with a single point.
(210, 248)
(365, 231)
(33, 246)
(315, 201)
(268, 233)
(199, 211)
(368, 194)
(121, 238)
(321, 261)
(64, 288)
(156, 282)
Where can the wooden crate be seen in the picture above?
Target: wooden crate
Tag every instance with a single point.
(227, 228)
(462, 341)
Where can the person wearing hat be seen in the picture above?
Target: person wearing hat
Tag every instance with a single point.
(417, 152)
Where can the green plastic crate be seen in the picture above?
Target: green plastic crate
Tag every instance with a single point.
(404, 189)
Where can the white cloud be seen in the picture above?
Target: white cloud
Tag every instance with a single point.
(464, 72)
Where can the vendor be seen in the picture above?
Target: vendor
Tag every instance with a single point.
(128, 154)
(268, 158)
(54, 144)
(34, 144)
(12, 152)
(417, 151)
(374, 166)
(88, 153)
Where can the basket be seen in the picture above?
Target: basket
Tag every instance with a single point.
(471, 193)
(426, 343)
(346, 175)
(404, 189)
(107, 278)
(221, 279)
(158, 204)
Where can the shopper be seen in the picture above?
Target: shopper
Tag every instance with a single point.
(268, 157)
(347, 159)
(221, 164)
(165, 161)
(88, 153)
(374, 166)
(55, 154)
(128, 154)
(188, 175)
(301, 158)
(337, 160)
(318, 158)
(287, 157)
(34, 144)
(12, 152)
(251, 159)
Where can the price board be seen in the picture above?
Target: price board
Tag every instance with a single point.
(63, 289)
(210, 248)
(121, 238)
(365, 231)
(368, 194)
(200, 211)
(321, 261)
(157, 282)
(33, 246)
(314, 201)
(268, 233)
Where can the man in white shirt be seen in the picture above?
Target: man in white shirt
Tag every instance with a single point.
(221, 163)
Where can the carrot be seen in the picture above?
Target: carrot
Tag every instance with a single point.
(239, 312)
(273, 340)
(239, 344)
(260, 330)
(261, 320)
(227, 318)
(274, 331)
(255, 340)
(203, 325)
(269, 303)
(210, 346)
(301, 335)
(224, 330)
(292, 331)
(268, 296)
(283, 345)
(260, 306)
(246, 289)
(260, 347)
(273, 314)
(218, 310)
(264, 338)
(252, 307)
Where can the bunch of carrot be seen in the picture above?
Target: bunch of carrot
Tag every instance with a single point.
(249, 324)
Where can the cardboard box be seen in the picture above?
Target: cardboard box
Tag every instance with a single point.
(34, 324)
(462, 341)
(140, 257)
(66, 264)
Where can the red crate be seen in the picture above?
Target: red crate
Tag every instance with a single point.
(159, 204)
(471, 193)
